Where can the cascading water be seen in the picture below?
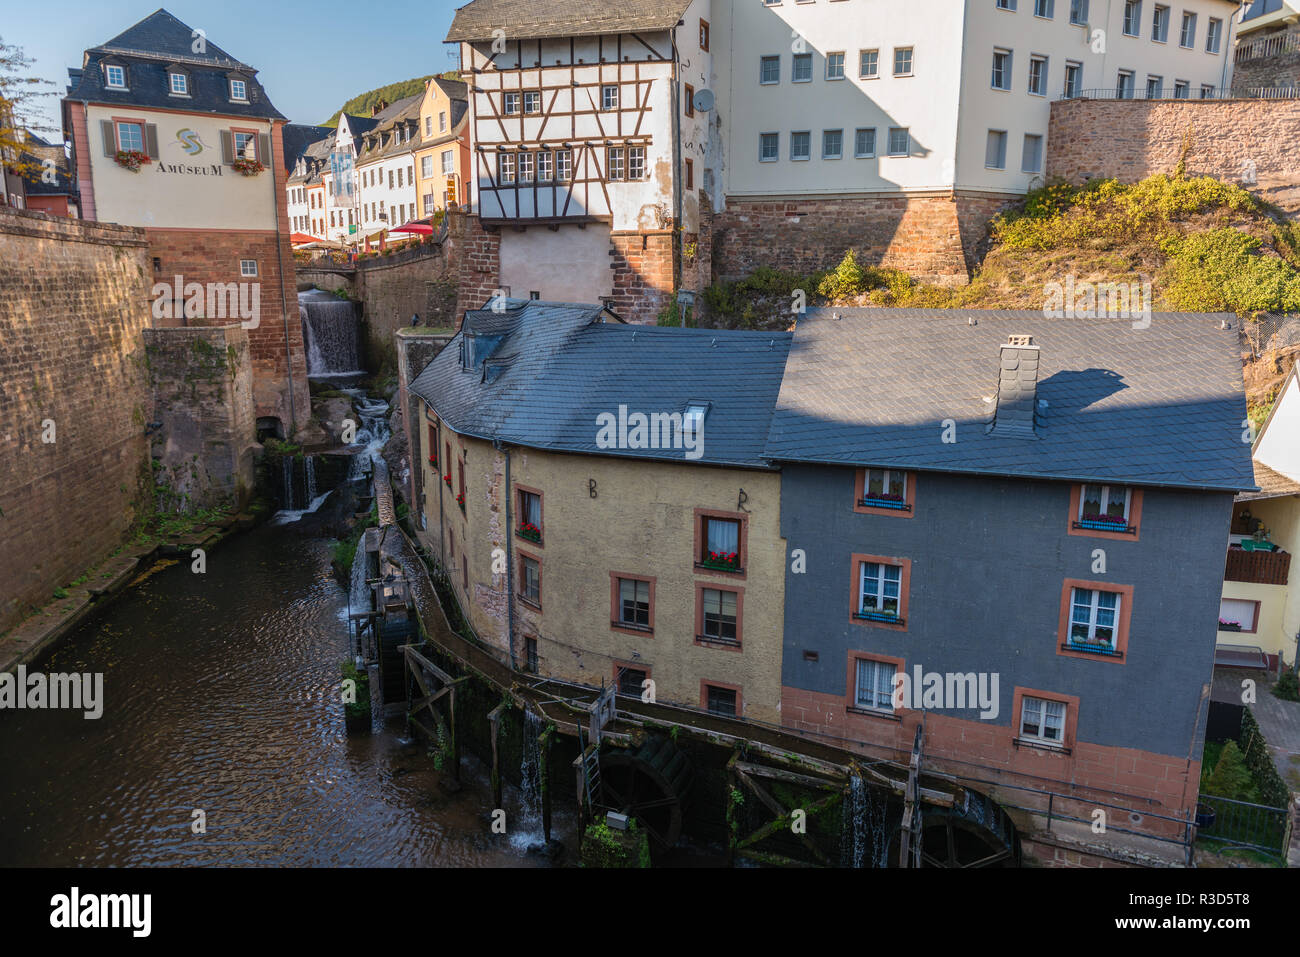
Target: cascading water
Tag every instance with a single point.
(287, 496)
(310, 468)
(372, 431)
(530, 784)
(330, 331)
(864, 841)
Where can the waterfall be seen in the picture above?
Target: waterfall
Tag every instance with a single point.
(864, 841)
(287, 498)
(329, 328)
(310, 468)
(292, 505)
(372, 431)
(529, 830)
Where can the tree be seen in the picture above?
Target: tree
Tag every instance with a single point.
(1231, 777)
(19, 94)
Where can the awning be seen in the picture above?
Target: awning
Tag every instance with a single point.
(423, 229)
(297, 239)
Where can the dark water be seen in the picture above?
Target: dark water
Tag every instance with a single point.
(221, 693)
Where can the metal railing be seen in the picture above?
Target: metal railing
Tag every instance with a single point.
(1264, 47)
(1242, 824)
(1189, 93)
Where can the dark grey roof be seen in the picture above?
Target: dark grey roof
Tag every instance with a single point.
(1157, 406)
(147, 50)
(298, 138)
(556, 367)
(526, 19)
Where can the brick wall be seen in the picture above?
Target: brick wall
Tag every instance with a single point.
(201, 384)
(1133, 139)
(932, 237)
(75, 303)
(477, 254)
(213, 256)
(1280, 69)
(643, 274)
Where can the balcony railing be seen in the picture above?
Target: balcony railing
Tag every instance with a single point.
(1264, 47)
(1259, 568)
(1191, 93)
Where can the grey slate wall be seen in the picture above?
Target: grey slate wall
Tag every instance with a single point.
(989, 558)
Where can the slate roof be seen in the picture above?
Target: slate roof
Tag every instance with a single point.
(147, 49)
(531, 19)
(1271, 485)
(1156, 406)
(405, 112)
(298, 138)
(558, 366)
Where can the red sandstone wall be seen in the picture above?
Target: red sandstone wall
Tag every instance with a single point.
(643, 274)
(74, 306)
(477, 255)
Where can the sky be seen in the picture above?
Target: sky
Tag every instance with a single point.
(310, 56)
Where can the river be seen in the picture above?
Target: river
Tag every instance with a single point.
(221, 693)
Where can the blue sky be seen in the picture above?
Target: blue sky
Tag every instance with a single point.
(310, 56)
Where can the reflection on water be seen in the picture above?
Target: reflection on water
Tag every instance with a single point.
(221, 694)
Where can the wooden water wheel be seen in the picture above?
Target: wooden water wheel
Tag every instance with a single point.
(979, 835)
(650, 784)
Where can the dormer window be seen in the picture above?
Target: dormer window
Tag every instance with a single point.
(238, 90)
(115, 76)
(178, 84)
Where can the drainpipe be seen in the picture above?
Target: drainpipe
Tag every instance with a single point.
(510, 561)
(284, 301)
(680, 165)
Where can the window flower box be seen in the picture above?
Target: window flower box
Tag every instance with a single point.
(529, 531)
(870, 614)
(447, 478)
(247, 167)
(1105, 523)
(131, 159)
(1092, 647)
(1229, 625)
(722, 561)
(433, 460)
(884, 500)
(460, 500)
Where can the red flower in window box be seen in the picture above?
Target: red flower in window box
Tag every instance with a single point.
(726, 561)
(460, 500)
(530, 531)
(131, 159)
(433, 460)
(447, 478)
(248, 167)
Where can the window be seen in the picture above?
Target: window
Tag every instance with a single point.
(769, 70)
(130, 136)
(835, 66)
(800, 145)
(900, 141)
(530, 580)
(1207, 91)
(832, 144)
(428, 126)
(1093, 616)
(633, 603)
(1044, 8)
(1238, 615)
(245, 145)
(563, 165)
(525, 170)
(530, 515)
(248, 268)
(1187, 35)
(609, 97)
(1078, 12)
(636, 162)
(448, 162)
(399, 179)
(1132, 17)
(544, 166)
(1106, 508)
(802, 70)
(1006, 4)
(1094, 622)
(238, 90)
(631, 681)
(179, 84)
(1001, 79)
(719, 615)
(442, 122)
(1038, 75)
(530, 655)
(390, 178)
(688, 100)
(511, 106)
(720, 700)
(879, 598)
(864, 142)
(883, 489)
(869, 64)
(1073, 79)
(704, 35)
(506, 167)
(533, 101)
(614, 169)
(1155, 84)
(873, 687)
(426, 167)
(1031, 154)
(902, 61)
(1160, 25)
(1124, 85)
(1182, 90)
(720, 544)
(769, 147)
(1213, 30)
(995, 152)
(1042, 720)
(115, 76)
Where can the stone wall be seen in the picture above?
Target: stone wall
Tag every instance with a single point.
(477, 254)
(1280, 68)
(1233, 140)
(201, 381)
(643, 274)
(74, 462)
(415, 350)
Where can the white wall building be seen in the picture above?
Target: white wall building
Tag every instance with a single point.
(386, 168)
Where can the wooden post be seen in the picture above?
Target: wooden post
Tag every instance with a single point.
(580, 781)
(455, 739)
(544, 780)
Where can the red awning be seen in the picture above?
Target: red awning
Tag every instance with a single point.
(297, 239)
(423, 228)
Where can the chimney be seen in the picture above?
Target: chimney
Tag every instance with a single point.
(1017, 389)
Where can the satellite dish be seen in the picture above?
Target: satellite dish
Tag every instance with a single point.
(703, 101)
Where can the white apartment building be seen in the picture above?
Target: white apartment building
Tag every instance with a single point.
(386, 168)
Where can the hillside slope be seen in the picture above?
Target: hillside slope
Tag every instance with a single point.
(361, 105)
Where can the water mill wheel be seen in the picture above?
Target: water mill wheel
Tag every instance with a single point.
(978, 835)
(649, 784)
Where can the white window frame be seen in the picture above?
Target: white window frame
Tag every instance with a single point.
(885, 481)
(510, 103)
(536, 97)
(108, 76)
(1042, 707)
(1093, 604)
(545, 166)
(1006, 71)
(139, 127)
(875, 70)
(505, 169)
(609, 97)
(911, 61)
(1105, 499)
(875, 671)
(635, 163)
(882, 580)
(184, 84)
(239, 91)
(563, 166)
(835, 76)
(1038, 59)
(1214, 36)
(448, 160)
(248, 268)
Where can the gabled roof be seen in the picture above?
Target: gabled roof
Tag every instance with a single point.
(299, 139)
(162, 35)
(554, 368)
(1157, 406)
(531, 19)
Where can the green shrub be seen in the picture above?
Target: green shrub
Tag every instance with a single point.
(1231, 777)
(1222, 269)
(362, 679)
(846, 281)
(1288, 686)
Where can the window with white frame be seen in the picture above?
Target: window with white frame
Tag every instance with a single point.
(879, 591)
(245, 145)
(874, 685)
(248, 268)
(1001, 76)
(1182, 90)
(884, 488)
(832, 144)
(1038, 75)
(426, 167)
(1094, 618)
(1078, 12)
(609, 97)
(900, 141)
(634, 603)
(179, 84)
(448, 162)
(238, 90)
(428, 203)
(544, 167)
(1160, 24)
(718, 616)
(428, 126)
(769, 70)
(1105, 507)
(769, 147)
(1044, 8)
(1073, 79)
(505, 168)
(1132, 18)
(1005, 4)
(533, 101)
(1155, 85)
(525, 170)
(1213, 32)
(902, 61)
(563, 166)
(800, 145)
(835, 66)
(995, 151)
(1124, 85)
(802, 70)
(1042, 720)
(1187, 35)
(115, 76)
(864, 142)
(442, 122)
(510, 106)
(130, 136)
(1236, 614)
(1031, 154)
(868, 64)
(636, 162)
(614, 167)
